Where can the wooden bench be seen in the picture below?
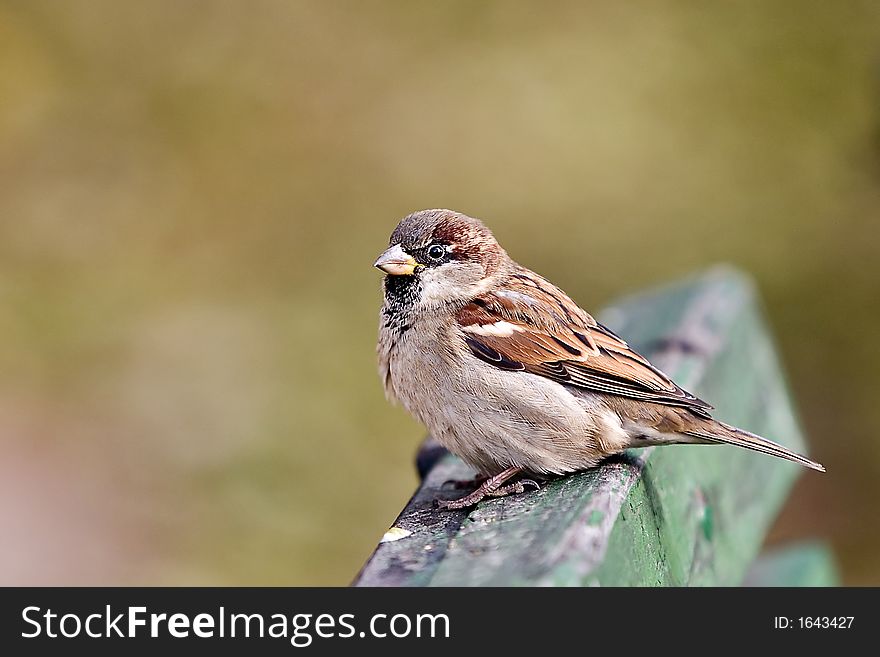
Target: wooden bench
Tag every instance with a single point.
(679, 515)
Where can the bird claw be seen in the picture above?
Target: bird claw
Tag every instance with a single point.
(460, 503)
(514, 488)
(490, 487)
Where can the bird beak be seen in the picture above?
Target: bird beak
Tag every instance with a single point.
(397, 262)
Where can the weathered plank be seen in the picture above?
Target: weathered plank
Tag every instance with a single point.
(680, 515)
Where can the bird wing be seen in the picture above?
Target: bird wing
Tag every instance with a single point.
(531, 325)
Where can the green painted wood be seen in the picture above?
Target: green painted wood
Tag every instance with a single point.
(803, 564)
(677, 515)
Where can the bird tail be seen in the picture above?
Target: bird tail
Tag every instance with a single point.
(728, 435)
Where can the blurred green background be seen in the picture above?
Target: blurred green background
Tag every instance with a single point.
(192, 195)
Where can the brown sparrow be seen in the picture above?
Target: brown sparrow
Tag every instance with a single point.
(507, 372)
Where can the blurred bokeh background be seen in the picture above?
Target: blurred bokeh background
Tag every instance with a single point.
(192, 195)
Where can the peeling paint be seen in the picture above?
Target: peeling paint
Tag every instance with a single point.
(708, 523)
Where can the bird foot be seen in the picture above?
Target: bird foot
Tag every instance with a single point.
(515, 488)
(491, 487)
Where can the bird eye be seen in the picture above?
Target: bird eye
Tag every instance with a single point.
(436, 251)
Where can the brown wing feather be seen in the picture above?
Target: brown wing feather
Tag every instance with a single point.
(534, 326)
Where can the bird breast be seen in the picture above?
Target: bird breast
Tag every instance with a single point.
(496, 419)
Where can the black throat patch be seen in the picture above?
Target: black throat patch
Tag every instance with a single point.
(401, 295)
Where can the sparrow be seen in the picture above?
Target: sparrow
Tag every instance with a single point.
(510, 374)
